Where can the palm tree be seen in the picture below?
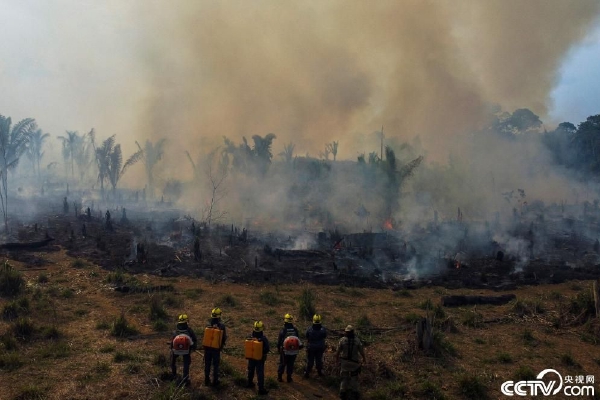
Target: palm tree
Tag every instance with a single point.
(151, 155)
(82, 155)
(115, 161)
(288, 153)
(13, 143)
(102, 158)
(34, 149)
(262, 151)
(69, 143)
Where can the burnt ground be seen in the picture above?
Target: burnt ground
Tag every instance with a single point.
(375, 260)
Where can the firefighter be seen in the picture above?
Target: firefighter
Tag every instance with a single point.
(315, 347)
(288, 346)
(348, 350)
(212, 356)
(183, 342)
(259, 365)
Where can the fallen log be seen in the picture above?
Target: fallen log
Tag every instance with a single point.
(26, 246)
(457, 301)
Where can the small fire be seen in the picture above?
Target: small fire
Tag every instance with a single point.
(388, 225)
(457, 264)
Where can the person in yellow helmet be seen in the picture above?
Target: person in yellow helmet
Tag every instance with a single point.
(315, 339)
(212, 357)
(349, 348)
(183, 343)
(288, 345)
(258, 366)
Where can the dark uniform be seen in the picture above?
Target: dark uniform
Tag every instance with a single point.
(212, 357)
(315, 347)
(183, 328)
(258, 366)
(286, 361)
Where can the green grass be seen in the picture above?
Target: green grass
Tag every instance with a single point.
(102, 325)
(43, 278)
(229, 300)
(431, 391)
(403, 293)
(54, 350)
(472, 387)
(157, 311)
(51, 332)
(412, 318)
(504, 358)
(568, 361)
(121, 357)
(10, 361)
(193, 294)
(268, 298)
(31, 392)
(102, 368)
(67, 293)
(363, 323)
(107, 349)
(23, 328)
(473, 319)
(524, 373)
(121, 327)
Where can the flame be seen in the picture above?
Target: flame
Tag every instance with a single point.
(457, 264)
(387, 224)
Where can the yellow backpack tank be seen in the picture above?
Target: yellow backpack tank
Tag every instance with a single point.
(253, 349)
(212, 338)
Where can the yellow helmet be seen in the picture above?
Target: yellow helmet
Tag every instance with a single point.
(259, 326)
(316, 319)
(216, 313)
(182, 318)
(288, 318)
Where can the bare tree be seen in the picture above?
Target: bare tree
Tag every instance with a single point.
(216, 173)
(34, 149)
(151, 155)
(69, 143)
(288, 153)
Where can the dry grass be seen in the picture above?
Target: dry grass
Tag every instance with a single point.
(70, 336)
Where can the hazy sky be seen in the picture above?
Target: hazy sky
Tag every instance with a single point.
(309, 71)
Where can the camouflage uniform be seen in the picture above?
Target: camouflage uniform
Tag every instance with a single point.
(348, 350)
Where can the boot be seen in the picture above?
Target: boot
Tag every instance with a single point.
(289, 379)
(279, 378)
(263, 391)
(250, 384)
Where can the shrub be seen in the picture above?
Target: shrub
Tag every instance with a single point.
(471, 387)
(51, 332)
(160, 326)
(528, 336)
(426, 305)
(102, 325)
(31, 392)
(307, 306)
(473, 319)
(121, 327)
(23, 328)
(504, 358)
(157, 311)
(412, 318)
(160, 360)
(10, 311)
(193, 294)
(8, 342)
(43, 278)
(170, 300)
(229, 300)
(120, 357)
(67, 293)
(430, 390)
(102, 368)
(12, 282)
(403, 293)
(568, 361)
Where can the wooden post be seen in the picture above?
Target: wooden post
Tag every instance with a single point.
(596, 290)
(425, 333)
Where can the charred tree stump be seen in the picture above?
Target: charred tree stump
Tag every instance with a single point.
(425, 333)
(596, 288)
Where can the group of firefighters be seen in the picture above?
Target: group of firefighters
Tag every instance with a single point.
(184, 342)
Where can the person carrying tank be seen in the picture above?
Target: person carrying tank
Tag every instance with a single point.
(288, 346)
(183, 343)
(258, 366)
(212, 351)
(315, 346)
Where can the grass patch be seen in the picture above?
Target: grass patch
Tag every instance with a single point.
(160, 326)
(403, 293)
(173, 301)
(121, 327)
(12, 282)
(102, 368)
(107, 349)
(527, 336)
(472, 387)
(524, 373)
(51, 332)
(479, 341)
(78, 263)
(441, 346)
(160, 360)
(271, 383)
(430, 390)
(527, 307)
(31, 392)
(55, 350)
(504, 358)
(268, 298)
(10, 361)
(102, 325)
(121, 357)
(307, 304)
(412, 318)
(81, 312)
(67, 293)
(193, 294)
(426, 305)
(363, 323)
(8, 342)
(389, 391)
(43, 278)
(473, 319)
(229, 300)
(23, 328)
(568, 361)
